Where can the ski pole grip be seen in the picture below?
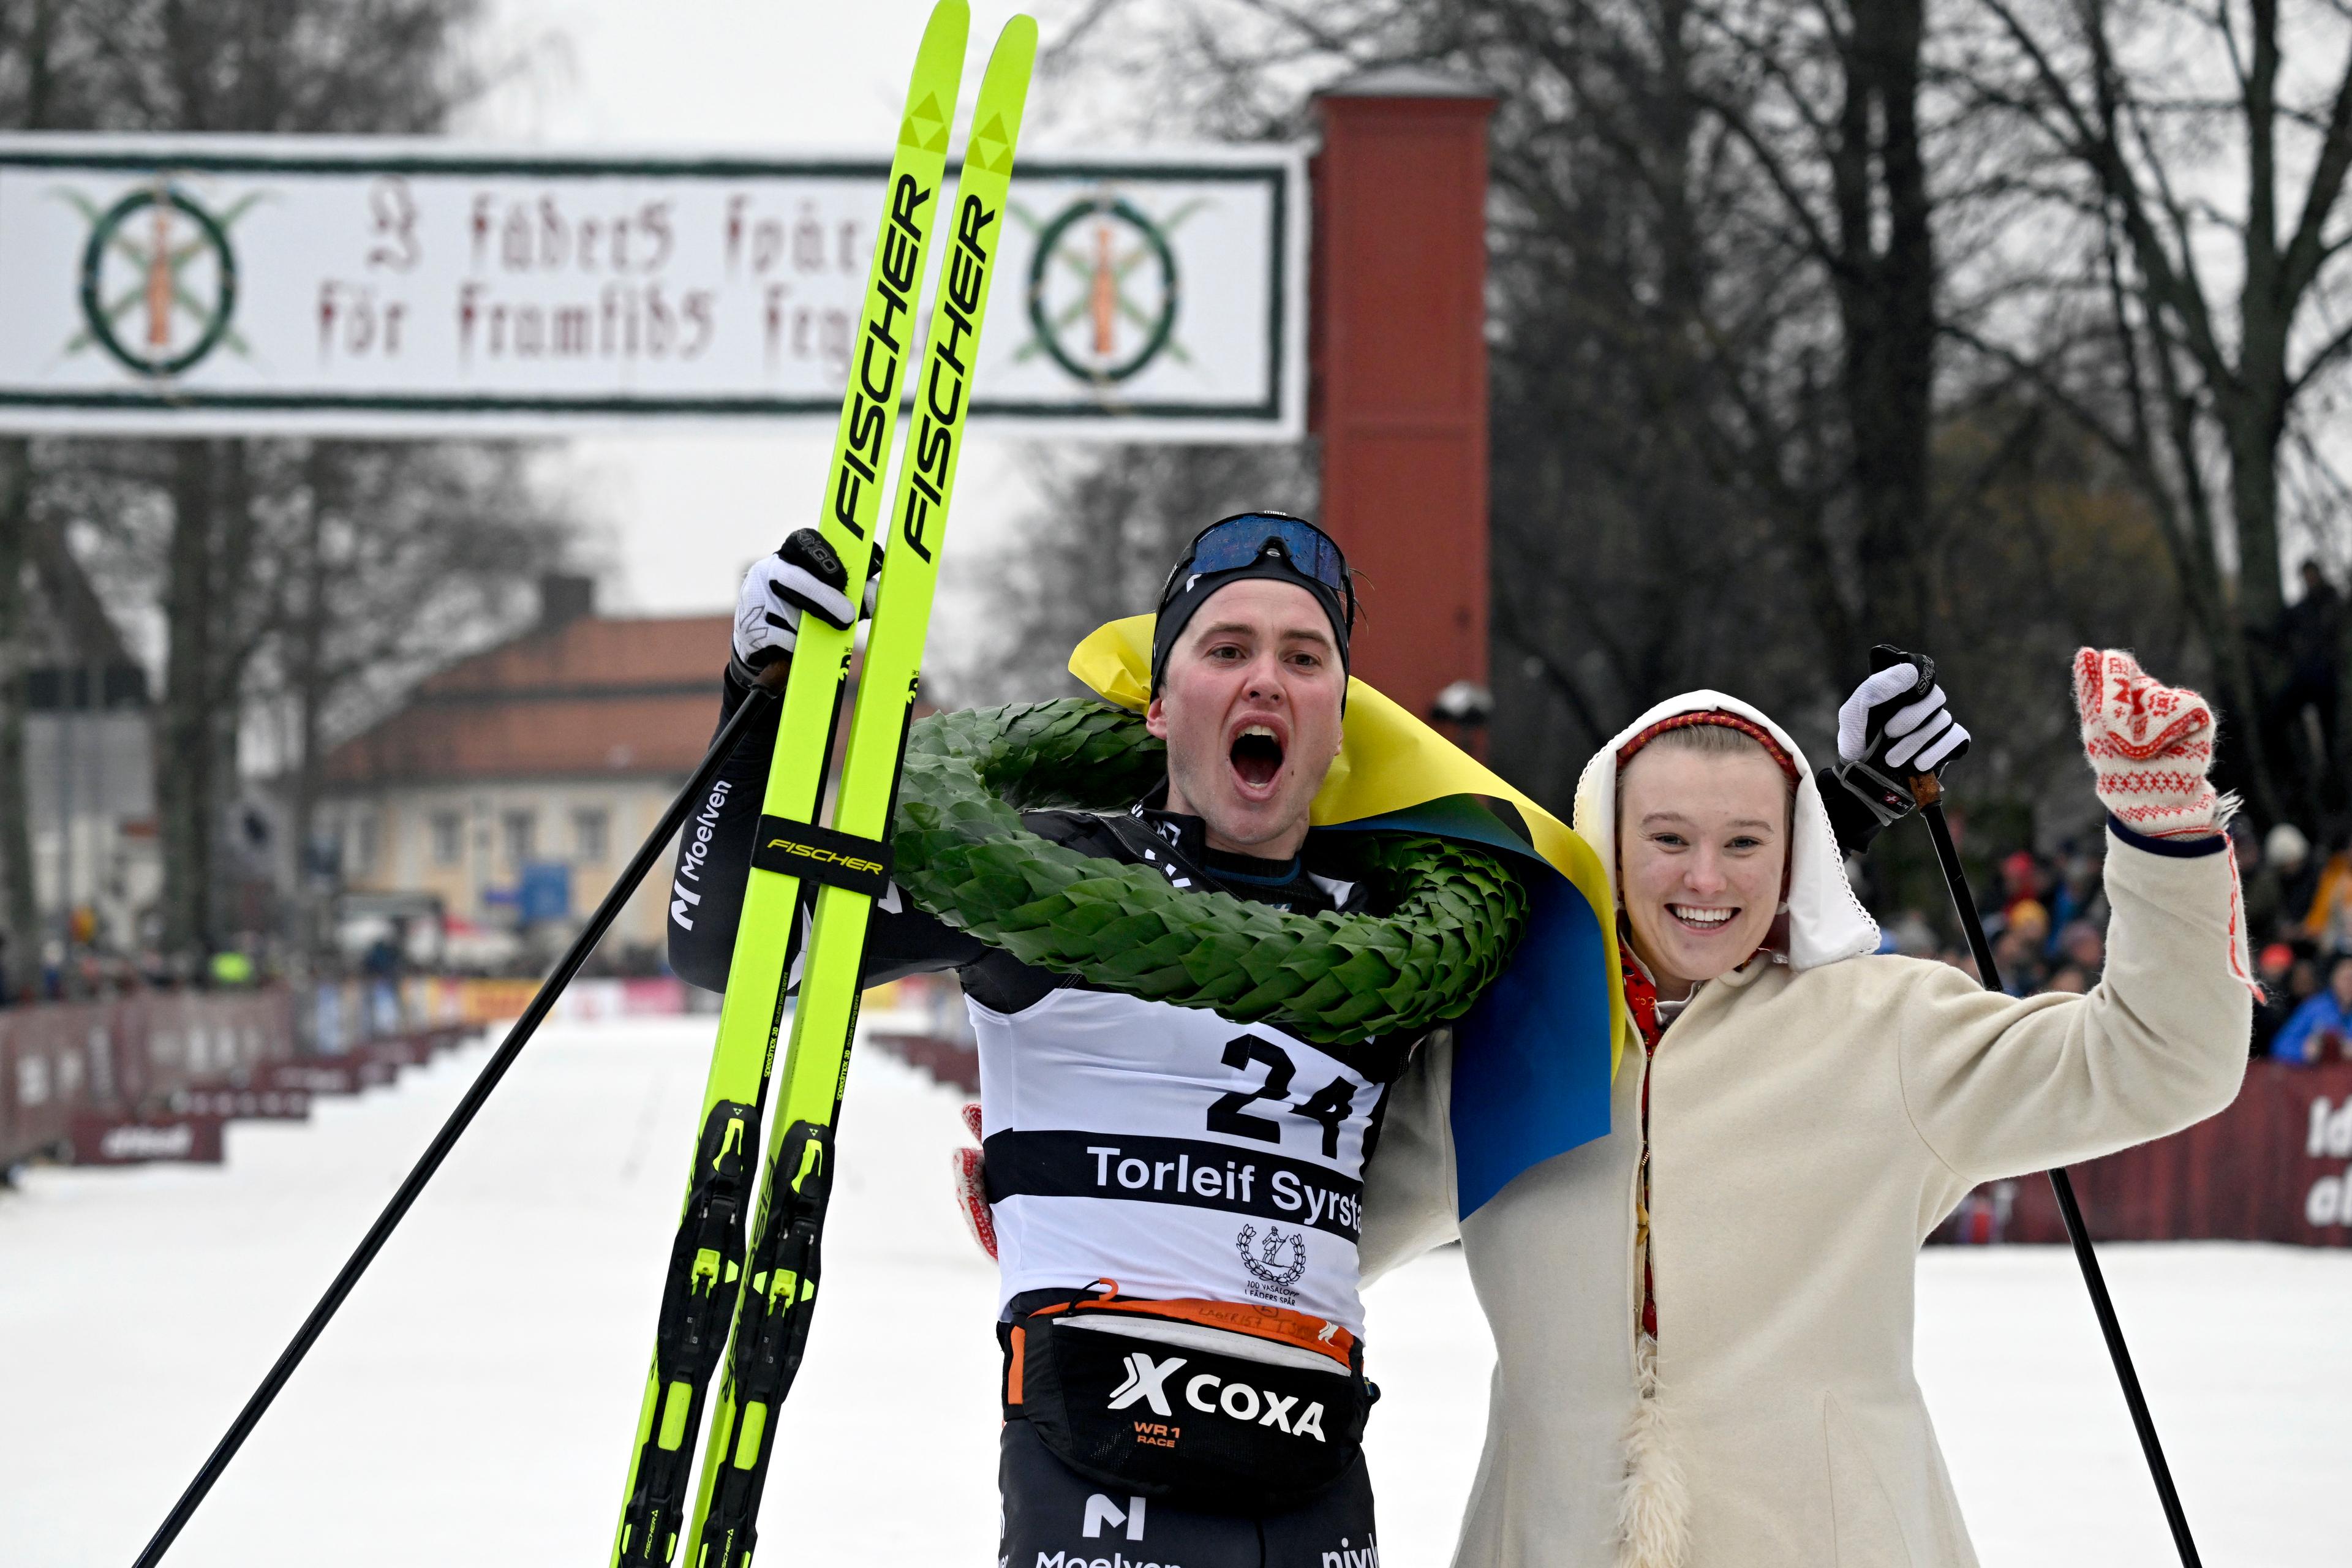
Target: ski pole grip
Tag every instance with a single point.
(772, 676)
(1886, 656)
(1927, 789)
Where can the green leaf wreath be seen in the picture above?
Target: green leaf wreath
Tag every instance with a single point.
(1454, 912)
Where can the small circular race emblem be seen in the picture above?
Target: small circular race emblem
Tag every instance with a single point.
(158, 280)
(1102, 289)
(1278, 1261)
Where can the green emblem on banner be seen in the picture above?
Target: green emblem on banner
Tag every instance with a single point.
(1103, 292)
(158, 279)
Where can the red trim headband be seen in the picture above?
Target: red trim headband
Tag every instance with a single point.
(1721, 719)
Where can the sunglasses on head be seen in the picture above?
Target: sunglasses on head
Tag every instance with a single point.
(1243, 541)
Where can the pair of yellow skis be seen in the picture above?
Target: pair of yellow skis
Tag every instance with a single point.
(766, 1293)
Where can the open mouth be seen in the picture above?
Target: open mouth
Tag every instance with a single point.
(1701, 918)
(1256, 755)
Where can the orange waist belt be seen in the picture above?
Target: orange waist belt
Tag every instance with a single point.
(1277, 1324)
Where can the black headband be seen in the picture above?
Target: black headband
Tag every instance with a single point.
(1180, 610)
(1187, 591)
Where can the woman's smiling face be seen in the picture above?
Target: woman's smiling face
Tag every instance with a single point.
(1702, 849)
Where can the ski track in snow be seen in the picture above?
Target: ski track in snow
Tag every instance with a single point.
(474, 1401)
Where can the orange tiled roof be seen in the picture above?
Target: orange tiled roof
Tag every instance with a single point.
(595, 695)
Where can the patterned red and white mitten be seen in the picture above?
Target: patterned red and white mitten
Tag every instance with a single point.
(2152, 746)
(972, 1188)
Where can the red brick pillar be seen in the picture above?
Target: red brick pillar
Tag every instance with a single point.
(1398, 353)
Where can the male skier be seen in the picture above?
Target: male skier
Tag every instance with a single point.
(1174, 1195)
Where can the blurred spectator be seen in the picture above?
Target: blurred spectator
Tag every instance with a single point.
(2017, 953)
(382, 964)
(2287, 854)
(2318, 1028)
(2279, 880)
(2078, 894)
(2020, 881)
(2030, 922)
(2328, 922)
(2081, 943)
(2071, 978)
(1910, 935)
(2273, 966)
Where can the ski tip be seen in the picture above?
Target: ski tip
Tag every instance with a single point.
(939, 67)
(1017, 45)
(950, 27)
(1004, 94)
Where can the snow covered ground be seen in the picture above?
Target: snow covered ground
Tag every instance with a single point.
(474, 1402)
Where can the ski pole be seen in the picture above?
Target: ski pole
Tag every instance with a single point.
(763, 694)
(1928, 791)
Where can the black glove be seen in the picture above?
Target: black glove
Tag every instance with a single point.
(803, 576)
(1893, 728)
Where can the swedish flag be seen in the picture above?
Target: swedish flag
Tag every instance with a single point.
(1533, 1059)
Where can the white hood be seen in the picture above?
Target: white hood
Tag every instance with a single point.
(1826, 921)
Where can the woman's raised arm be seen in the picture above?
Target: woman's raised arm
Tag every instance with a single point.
(1996, 1086)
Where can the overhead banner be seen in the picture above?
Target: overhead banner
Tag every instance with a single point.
(175, 286)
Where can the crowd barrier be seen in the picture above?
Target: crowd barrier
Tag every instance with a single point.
(352, 1011)
(493, 1001)
(157, 1075)
(922, 1021)
(73, 1073)
(2272, 1167)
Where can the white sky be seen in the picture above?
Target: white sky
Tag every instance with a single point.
(680, 515)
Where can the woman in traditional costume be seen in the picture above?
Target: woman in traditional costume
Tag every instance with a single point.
(1704, 1321)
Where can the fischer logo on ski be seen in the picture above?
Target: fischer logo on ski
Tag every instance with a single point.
(898, 269)
(821, 855)
(959, 297)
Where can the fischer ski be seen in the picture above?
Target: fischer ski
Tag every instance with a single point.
(705, 1273)
(772, 1324)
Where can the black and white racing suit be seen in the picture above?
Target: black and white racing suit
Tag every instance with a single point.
(1178, 1154)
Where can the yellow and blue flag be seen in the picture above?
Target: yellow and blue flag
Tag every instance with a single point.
(1533, 1060)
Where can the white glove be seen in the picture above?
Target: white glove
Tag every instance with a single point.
(2150, 746)
(803, 576)
(1918, 736)
(1888, 736)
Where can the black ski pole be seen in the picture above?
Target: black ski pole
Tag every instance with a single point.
(1928, 791)
(764, 693)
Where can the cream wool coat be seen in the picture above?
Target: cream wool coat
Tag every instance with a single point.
(1809, 1128)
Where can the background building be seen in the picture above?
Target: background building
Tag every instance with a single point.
(513, 786)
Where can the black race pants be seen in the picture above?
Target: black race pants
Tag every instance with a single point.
(1056, 1517)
